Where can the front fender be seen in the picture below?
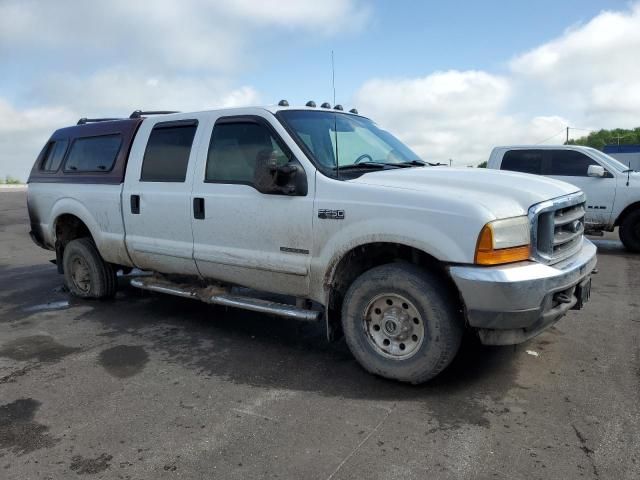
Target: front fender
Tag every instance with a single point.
(433, 241)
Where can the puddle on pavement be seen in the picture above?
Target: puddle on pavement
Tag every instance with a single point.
(124, 361)
(42, 348)
(18, 431)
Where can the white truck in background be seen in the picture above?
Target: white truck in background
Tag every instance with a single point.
(612, 189)
(321, 206)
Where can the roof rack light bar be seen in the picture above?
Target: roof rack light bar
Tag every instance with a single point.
(140, 113)
(85, 120)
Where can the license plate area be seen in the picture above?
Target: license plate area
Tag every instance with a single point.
(583, 293)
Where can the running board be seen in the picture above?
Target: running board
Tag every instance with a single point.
(221, 296)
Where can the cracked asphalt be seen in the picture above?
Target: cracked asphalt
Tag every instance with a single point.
(158, 387)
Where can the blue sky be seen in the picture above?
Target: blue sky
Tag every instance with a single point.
(452, 79)
(415, 39)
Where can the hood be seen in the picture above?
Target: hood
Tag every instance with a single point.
(502, 193)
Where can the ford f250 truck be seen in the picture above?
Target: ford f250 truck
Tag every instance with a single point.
(323, 209)
(612, 189)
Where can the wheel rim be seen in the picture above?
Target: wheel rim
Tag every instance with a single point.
(393, 326)
(80, 274)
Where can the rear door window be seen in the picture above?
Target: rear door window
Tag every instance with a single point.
(54, 155)
(166, 157)
(569, 163)
(93, 154)
(525, 161)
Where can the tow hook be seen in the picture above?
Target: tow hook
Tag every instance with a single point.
(563, 298)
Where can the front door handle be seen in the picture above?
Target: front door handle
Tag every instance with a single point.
(135, 204)
(198, 208)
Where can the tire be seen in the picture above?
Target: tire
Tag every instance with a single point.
(86, 274)
(422, 325)
(629, 231)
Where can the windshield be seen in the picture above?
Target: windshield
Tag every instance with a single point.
(353, 140)
(613, 162)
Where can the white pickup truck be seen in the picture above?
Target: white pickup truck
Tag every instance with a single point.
(323, 207)
(612, 189)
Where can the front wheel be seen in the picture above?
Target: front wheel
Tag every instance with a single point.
(401, 322)
(629, 231)
(86, 274)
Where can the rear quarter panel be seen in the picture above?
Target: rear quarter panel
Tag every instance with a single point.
(98, 206)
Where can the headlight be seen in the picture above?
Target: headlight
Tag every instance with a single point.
(504, 241)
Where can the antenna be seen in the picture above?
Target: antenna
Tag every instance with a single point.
(333, 77)
(335, 115)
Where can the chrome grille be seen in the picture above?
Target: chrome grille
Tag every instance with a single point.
(557, 227)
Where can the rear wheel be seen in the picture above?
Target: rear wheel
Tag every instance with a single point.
(400, 322)
(629, 231)
(86, 274)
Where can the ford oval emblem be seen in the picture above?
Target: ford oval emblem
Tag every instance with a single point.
(576, 226)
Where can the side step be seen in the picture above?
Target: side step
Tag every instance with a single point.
(222, 296)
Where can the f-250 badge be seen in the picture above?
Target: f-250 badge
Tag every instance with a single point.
(331, 214)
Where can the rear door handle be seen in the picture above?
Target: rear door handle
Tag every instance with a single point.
(198, 208)
(135, 204)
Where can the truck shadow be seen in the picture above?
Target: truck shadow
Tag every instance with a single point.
(272, 352)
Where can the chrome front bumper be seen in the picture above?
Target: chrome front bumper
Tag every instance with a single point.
(509, 304)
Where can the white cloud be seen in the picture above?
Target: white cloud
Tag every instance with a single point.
(441, 93)
(117, 91)
(23, 134)
(592, 70)
(198, 35)
(328, 16)
(588, 77)
(455, 115)
(107, 58)
(77, 58)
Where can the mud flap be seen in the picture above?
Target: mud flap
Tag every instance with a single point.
(332, 323)
(59, 257)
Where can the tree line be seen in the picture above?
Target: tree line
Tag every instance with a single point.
(617, 136)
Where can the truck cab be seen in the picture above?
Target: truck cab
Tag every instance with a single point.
(612, 189)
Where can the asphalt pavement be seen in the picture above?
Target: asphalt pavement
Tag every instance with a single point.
(155, 387)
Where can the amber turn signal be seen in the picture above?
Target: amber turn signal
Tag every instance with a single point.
(486, 254)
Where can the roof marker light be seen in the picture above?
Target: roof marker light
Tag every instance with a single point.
(338, 107)
(311, 104)
(283, 103)
(325, 105)
(354, 111)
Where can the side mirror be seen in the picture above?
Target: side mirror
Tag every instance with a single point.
(595, 171)
(271, 178)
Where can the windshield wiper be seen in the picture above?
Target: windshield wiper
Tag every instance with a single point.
(415, 163)
(377, 165)
(422, 163)
(382, 165)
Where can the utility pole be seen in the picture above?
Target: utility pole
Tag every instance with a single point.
(618, 137)
(567, 136)
(450, 162)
